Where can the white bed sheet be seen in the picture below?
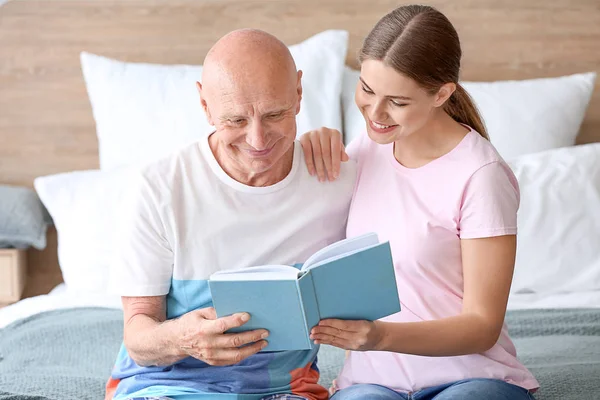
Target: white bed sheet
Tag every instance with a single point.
(60, 298)
(589, 299)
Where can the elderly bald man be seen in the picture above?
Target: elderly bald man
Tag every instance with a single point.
(240, 197)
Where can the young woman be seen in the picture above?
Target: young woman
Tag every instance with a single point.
(432, 184)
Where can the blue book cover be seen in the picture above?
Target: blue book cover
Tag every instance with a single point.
(350, 279)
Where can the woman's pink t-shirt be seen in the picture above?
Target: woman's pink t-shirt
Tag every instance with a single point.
(469, 192)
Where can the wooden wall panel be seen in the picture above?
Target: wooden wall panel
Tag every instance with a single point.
(46, 124)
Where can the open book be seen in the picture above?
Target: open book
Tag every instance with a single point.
(350, 279)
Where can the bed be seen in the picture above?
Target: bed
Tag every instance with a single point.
(560, 346)
(49, 125)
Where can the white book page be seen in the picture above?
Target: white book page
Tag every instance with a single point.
(338, 256)
(341, 248)
(261, 273)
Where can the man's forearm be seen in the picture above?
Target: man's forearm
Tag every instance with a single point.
(152, 343)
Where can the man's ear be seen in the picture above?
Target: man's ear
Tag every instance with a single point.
(204, 104)
(299, 91)
(444, 94)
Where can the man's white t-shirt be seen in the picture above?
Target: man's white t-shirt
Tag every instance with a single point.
(187, 219)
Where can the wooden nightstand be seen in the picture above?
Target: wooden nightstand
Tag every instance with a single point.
(12, 275)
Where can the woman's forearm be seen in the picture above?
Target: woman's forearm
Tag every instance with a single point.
(454, 336)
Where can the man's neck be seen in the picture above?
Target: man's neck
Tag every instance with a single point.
(238, 172)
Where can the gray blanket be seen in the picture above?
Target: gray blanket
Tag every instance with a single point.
(68, 354)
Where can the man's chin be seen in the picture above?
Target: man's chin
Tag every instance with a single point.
(260, 165)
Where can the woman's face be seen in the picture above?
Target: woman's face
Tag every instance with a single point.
(394, 106)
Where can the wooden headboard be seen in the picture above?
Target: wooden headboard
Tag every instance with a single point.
(46, 123)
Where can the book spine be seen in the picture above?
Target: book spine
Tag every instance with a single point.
(308, 300)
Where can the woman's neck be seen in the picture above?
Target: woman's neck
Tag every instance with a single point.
(438, 137)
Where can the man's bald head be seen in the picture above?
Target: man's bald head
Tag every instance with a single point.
(251, 93)
(248, 57)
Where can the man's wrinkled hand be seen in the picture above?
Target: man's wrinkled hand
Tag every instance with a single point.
(202, 336)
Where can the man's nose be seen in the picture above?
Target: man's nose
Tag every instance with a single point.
(256, 136)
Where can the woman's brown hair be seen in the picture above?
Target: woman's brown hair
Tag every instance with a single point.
(421, 43)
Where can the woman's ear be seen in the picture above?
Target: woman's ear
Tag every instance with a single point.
(444, 94)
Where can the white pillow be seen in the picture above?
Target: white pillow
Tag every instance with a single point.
(354, 123)
(558, 236)
(558, 221)
(144, 111)
(521, 117)
(84, 206)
